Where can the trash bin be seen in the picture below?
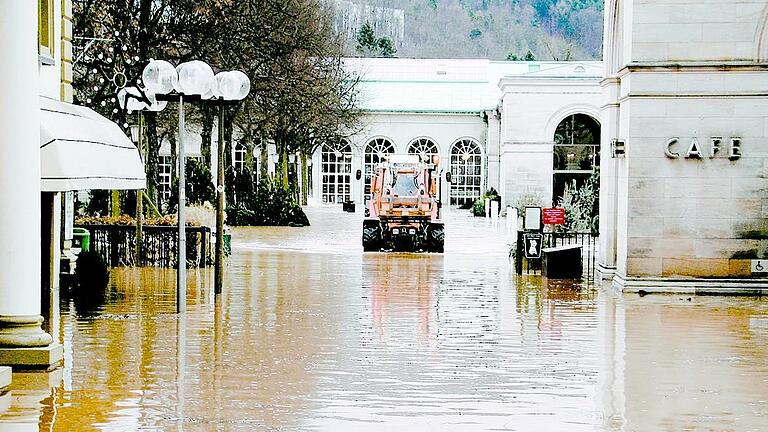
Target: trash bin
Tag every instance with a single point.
(227, 244)
(81, 238)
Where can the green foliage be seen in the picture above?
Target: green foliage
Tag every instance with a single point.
(529, 56)
(366, 38)
(581, 212)
(478, 207)
(370, 45)
(198, 188)
(271, 205)
(386, 47)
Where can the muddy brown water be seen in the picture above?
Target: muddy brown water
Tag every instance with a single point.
(312, 334)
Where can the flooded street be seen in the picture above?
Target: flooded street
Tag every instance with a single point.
(312, 334)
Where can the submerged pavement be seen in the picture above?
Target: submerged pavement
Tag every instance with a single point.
(313, 334)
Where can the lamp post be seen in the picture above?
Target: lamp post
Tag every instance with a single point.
(195, 81)
(133, 99)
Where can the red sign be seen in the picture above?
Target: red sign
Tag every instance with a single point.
(553, 216)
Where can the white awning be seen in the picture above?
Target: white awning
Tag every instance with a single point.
(80, 149)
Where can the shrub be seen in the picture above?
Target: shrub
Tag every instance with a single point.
(581, 206)
(270, 205)
(478, 207)
(92, 274)
(198, 184)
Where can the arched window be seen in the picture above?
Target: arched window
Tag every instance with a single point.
(424, 147)
(576, 152)
(336, 172)
(466, 172)
(238, 157)
(375, 151)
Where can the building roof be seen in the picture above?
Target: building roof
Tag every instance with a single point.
(449, 85)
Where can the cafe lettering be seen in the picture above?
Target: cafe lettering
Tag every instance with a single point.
(696, 150)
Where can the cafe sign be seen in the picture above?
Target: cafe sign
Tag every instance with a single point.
(696, 150)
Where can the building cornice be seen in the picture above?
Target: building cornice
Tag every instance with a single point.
(478, 112)
(662, 67)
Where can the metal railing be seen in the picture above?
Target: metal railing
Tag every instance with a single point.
(116, 244)
(588, 242)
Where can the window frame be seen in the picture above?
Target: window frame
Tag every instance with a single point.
(45, 20)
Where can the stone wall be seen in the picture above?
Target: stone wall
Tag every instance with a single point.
(695, 215)
(690, 87)
(694, 30)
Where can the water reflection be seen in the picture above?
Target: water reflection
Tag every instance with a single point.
(312, 334)
(403, 291)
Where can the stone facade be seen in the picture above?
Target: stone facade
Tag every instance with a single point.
(533, 107)
(685, 90)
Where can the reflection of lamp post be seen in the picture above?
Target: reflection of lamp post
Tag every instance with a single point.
(195, 80)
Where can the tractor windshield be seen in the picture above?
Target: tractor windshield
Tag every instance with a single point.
(405, 185)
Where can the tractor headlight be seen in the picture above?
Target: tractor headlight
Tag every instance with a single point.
(395, 231)
(412, 231)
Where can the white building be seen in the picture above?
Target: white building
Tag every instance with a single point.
(493, 124)
(47, 146)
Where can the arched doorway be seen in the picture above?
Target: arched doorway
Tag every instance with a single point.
(375, 151)
(466, 172)
(424, 147)
(576, 159)
(336, 173)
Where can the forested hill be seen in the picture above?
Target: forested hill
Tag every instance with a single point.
(494, 29)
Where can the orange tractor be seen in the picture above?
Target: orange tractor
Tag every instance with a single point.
(404, 211)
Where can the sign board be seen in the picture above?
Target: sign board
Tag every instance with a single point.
(532, 243)
(759, 266)
(553, 216)
(533, 218)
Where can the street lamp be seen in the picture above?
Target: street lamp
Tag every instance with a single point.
(195, 81)
(134, 99)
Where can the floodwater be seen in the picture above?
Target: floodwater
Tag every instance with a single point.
(311, 334)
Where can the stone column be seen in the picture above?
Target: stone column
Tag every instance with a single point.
(493, 147)
(606, 260)
(357, 187)
(20, 221)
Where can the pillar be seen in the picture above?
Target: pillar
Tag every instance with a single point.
(493, 147)
(22, 340)
(358, 188)
(606, 260)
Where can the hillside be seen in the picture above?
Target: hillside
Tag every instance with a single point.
(494, 29)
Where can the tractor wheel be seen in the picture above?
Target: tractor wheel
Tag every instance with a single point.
(370, 239)
(437, 238)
